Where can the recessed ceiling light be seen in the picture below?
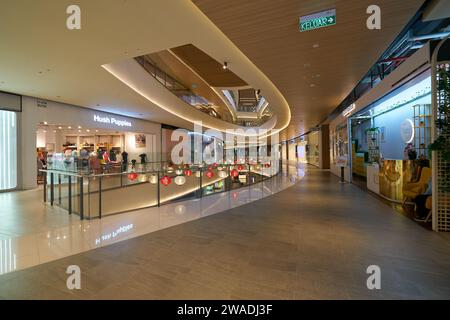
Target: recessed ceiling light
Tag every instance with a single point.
(79, 127)
(69, 127)
(45, 131)
(225, 65)
(79, 130)
(45, 122)
(87, 130)
(96, 130)
(312, 85)
(59, 128)
(316, 45)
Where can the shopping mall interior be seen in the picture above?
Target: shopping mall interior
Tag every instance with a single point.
(225, 150)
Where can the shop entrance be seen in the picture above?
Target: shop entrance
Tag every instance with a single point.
(79, 149)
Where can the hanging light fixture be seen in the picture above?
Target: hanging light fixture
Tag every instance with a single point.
(180, 180)
(166, 180)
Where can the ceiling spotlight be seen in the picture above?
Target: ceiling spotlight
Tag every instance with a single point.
(225, 65)
(96, 130)
(59, 128)
(79, 127)
(69, 127)
(87, 130)
(45, 122)
(79, 130)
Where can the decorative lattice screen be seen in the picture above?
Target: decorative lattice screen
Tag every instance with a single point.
(442, 193)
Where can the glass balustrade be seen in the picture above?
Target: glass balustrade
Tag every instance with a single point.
(94, 195)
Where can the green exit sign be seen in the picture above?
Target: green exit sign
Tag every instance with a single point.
(318, 20)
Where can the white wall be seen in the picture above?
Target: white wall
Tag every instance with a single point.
(64, 114)
(134, 152)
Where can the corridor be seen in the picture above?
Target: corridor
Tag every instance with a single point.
(313, 240)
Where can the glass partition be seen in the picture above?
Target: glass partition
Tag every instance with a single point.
(92, 195)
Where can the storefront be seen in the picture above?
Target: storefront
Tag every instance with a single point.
(390, 138)
(384, 125)
(72, 138)
(10, 106)
(381, 142)
(303, 149)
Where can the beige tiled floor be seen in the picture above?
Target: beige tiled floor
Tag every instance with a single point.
(313, 240)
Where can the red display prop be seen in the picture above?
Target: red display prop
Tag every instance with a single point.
(166, 180)
(188, 173)
(209, 174)
(267, 165)
(240, 167)
(234, 173)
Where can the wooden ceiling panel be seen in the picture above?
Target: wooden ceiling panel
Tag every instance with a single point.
(208, 68)
(314, 70)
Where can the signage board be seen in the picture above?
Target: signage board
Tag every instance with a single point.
(112, 121)
(317, 20)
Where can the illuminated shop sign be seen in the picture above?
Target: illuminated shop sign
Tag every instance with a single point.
(112, 121)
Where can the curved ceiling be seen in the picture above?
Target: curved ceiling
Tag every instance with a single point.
(314, 70)
(40, 57)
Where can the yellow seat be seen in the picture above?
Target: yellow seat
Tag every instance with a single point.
(413, 189)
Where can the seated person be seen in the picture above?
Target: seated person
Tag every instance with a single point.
(420, 200)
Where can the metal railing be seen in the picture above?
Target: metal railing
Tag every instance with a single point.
(92, 195)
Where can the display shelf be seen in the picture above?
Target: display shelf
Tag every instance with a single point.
(373, 145)
(422, 129)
